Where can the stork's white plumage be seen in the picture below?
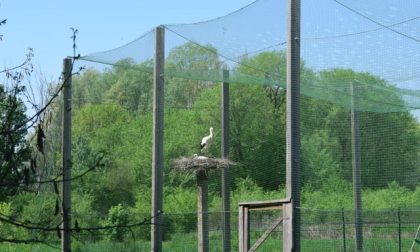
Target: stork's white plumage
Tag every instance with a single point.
(206, 141)
(200, 157)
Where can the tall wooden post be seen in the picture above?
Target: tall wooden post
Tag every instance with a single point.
(343, 217)
(225, 170)
(291, 225)
(399, 230)
(157, 159)
(356, 164)
(66, 162)
(243, 226)
(202, 212)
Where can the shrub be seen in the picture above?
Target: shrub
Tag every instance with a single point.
(117, 216)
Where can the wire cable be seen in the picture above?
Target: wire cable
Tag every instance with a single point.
(376, 22)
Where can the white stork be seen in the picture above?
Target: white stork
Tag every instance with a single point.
(199, 157)
(206, 141)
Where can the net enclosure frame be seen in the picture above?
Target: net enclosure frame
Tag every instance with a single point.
(378, 92)
(244, 216)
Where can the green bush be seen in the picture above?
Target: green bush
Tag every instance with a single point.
(6, 230)
(117, 216)
(36, 210)
(180, 209)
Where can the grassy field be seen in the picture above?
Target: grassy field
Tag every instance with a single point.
(188, 242)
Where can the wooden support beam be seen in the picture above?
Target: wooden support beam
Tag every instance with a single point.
(244, 219)
(202, 212)
(255, 205)
(157, 158)
(356, 167)
(243, 228)
(291, 224)
(225, 154)
(267, 232)
(66, 162)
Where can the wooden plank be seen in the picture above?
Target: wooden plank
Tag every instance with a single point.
(263, 204)
(287, 227)
(266, 234)
(266, 208)
(246, 229)
(243, 229)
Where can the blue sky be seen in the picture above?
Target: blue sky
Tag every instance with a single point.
(333, 36)
(44, 25)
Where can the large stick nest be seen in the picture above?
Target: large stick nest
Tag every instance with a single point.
(200, 163)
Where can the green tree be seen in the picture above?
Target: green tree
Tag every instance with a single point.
(132, 89)
(256, 132)
(258, 120)
(127, 84)
(317, 160)
(388, 140)
(87, 88)
(257, 136)
(101, 128)
(191, 67)
(14, 148)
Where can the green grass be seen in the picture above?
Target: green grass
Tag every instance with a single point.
(188, 242)
(7, 247)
